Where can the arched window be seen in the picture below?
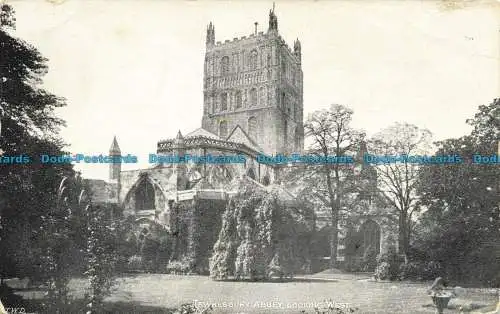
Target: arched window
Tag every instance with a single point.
(223, 129)
(266, 180)
(251, 173)
(253, 60)
(297, 139)
(252, 127)
(145, 196)
(253, 97)
(239, 99)
(262, 96)
(224, 65)
(223, 101)
(285, 134)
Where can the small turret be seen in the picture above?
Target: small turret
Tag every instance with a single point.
(179, 140)
(273, 21)
(297, 50)
(362, 151)
(115, 166)
(210, 35)
(180, 169)
(114, 149)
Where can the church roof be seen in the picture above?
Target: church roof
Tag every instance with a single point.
(202, 132)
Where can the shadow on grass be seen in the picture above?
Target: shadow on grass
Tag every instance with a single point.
(134, 307)
(464, 308)
(277, 280)
(78, 306)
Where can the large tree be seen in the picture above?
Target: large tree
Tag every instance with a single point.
(328, 183)
(397, 180)
(29, 127)
(460, 228)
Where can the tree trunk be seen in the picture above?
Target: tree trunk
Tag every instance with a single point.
(403, 234)
(334, 221)
(334, 241)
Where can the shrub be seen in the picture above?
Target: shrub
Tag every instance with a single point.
(431, 270)
(180, 267)
(411, 270)
(354, 264)
(191, 308)
(383, 271)
(135, 263)
(332, 307)
(388, 265)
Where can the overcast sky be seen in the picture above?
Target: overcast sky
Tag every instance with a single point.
(134, 69)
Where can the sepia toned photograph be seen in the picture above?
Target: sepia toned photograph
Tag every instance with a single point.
(249, 156)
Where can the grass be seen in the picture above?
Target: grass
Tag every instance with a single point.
(158, 293)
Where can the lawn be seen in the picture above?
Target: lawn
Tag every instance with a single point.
(156, 293)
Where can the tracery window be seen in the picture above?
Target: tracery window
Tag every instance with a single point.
(252, 127)
(145, 196)
(239, 99)
(262, 94)
(223, 101)
(223, 129)
(266, 180)
(285, 134)
(253, 59)
(251, 173)
(225, 65)
(253, 97)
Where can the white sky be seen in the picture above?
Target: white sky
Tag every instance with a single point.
(134, 68)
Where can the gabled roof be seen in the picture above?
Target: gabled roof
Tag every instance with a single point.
(239, 135)
(202, 132)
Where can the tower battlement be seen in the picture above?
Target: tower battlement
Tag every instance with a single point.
(260, 37)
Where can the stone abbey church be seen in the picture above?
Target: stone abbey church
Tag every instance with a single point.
(252, 104)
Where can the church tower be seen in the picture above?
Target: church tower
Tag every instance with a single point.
(255, 82)
(114, 168)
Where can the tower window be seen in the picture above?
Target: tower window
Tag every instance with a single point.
(253, 59)
(252, 127)
(223, 101)
(223, 129)
(285, 134)
(262, 96)
(225, 65)
(297, 139)
(238, 99)
(253, 97)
